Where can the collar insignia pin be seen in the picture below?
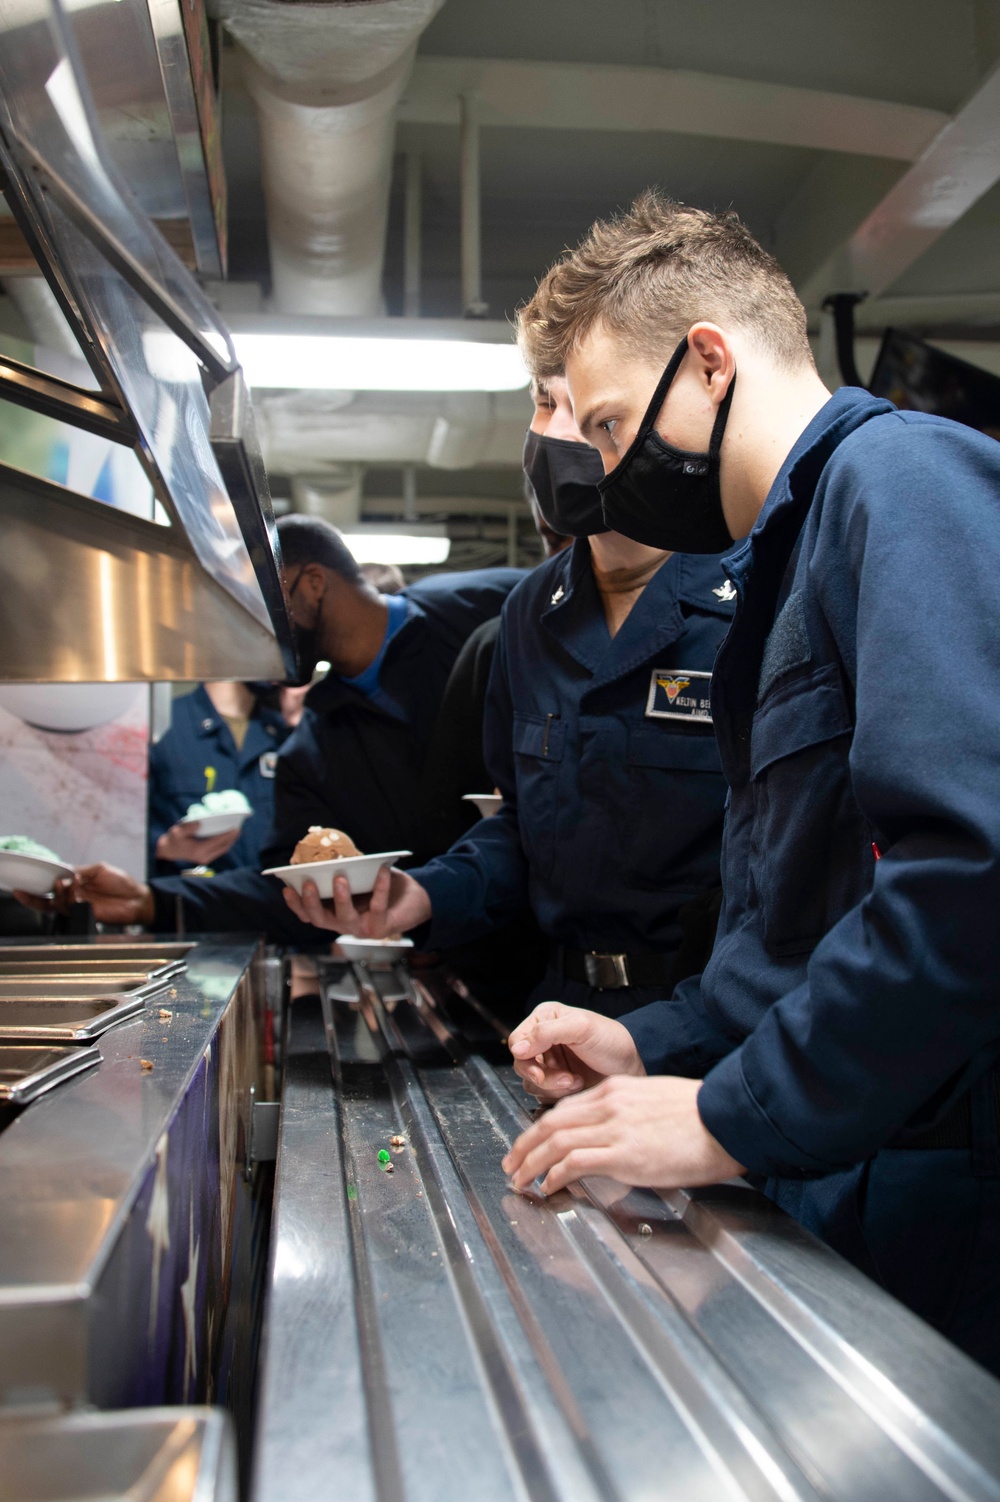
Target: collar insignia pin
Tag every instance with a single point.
(557, 596)
(725, 592)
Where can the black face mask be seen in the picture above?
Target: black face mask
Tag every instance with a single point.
(664, 496)
(305, 640)
(563, 477)
(306, 655)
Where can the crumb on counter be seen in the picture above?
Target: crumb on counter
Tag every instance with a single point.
(146, 1065)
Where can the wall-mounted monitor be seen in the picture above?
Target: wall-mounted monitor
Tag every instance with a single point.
(920, 378)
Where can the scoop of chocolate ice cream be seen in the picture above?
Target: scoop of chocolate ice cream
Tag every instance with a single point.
(323, 845)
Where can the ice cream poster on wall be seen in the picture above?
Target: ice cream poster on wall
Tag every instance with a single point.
(74, 758)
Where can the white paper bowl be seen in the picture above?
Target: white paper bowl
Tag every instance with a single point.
(360, 870)
(26, 873)
(216, 823)
(488, 804)
(373, 951)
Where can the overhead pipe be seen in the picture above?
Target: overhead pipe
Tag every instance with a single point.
(325, 80)
(409, 493)
(412, 206)
(473, 305)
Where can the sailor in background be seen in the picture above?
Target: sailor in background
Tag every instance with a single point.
(221, 736)
(356, 757)
(598, 733)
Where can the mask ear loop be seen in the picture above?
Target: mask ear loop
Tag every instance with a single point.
(660, 394)
(721, 418)
(652, 413)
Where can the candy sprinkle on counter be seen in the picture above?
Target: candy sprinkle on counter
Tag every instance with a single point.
(383, 1155)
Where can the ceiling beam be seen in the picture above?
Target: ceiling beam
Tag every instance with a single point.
(957, 168)
(583, 96)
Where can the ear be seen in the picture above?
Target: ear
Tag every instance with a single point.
(313, 585)
(713, 357)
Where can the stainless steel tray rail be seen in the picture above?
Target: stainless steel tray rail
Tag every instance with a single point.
(606, 1344)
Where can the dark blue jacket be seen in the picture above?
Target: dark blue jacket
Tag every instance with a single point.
(613, 791)
(857, 704)
(198, 739)
(349, 763)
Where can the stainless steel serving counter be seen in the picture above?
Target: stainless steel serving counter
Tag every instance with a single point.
(128, 1231)
(432, 1336)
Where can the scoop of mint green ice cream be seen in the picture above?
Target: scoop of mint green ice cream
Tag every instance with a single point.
(19, 844)
(227, 801)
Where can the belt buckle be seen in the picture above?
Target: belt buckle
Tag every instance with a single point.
(606, 972)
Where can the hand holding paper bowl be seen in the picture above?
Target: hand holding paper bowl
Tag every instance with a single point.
(351, 893)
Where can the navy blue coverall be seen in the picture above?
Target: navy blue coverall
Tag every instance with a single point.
(349, 762)
(853, 995)
(604, 752)
(198, 740)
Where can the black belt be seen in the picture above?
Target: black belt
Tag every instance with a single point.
(615, 972)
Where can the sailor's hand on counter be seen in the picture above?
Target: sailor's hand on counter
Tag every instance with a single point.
(559, 1050)
(396, 904)
(644, 1132)
(181, 844)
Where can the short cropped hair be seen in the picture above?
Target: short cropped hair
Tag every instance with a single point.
(385, 577)
(310, 539)
(648, 275)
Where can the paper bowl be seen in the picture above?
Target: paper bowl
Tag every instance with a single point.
(360, 870)
(26, 873)
(373, 951)
(216, 823)
(488, 804)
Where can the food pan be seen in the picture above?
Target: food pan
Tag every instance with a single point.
(71, 987)
(28, 1070)
(135, 1455)
(65, 1019)
(128, 949)
(100, 967)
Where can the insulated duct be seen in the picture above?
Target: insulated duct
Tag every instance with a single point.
(325, 79)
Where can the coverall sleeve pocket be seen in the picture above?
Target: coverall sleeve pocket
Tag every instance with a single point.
(539, 743)
(672, 814)
(803, 801)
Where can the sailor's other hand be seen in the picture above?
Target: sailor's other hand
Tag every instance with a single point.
(114, 896)
(395, 904)
(559, 1050)
(644, 1132)
(182, 843)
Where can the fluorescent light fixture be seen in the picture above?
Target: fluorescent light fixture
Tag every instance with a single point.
(427, 544)
(341, 362)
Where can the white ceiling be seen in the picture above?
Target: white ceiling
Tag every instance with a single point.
(806, 116)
